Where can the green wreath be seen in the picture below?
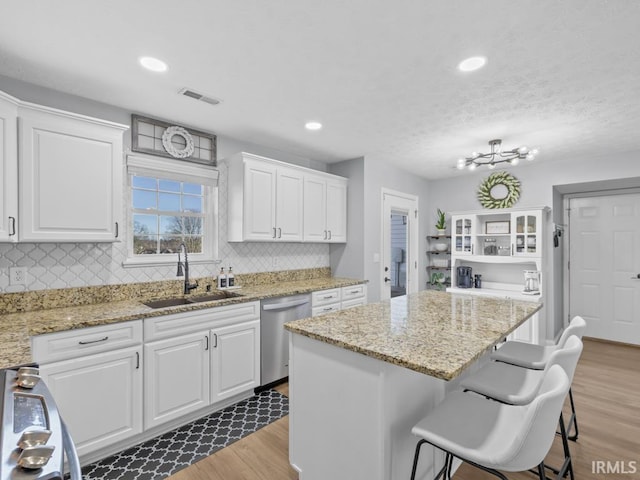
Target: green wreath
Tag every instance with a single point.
(489, 200)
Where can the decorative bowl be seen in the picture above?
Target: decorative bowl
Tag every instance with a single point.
(441, 247)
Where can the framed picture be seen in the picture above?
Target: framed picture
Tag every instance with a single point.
(496, 228)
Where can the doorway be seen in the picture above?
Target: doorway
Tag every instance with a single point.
(604, 265)
(399, 244)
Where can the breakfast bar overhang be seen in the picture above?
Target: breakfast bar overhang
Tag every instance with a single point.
(361, 378)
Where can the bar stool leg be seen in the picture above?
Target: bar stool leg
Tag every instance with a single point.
(573, 421)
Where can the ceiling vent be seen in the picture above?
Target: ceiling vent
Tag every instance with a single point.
(187, 92)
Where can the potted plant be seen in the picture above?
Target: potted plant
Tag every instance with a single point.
(441, 224)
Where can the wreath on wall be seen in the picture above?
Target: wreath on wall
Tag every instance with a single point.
(499, 190)
(167, 142)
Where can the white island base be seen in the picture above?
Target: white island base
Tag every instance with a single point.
(351, 415)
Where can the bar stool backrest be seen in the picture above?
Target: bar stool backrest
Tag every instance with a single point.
(567, 357)
(576, 327)
(535, 437)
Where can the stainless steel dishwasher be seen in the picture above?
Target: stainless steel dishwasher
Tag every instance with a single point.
(274, 340)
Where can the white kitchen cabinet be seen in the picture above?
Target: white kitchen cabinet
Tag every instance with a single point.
(95, 375)
(335, 299)
(265, 201)
(325, 209)
(235, 359)
(8, 168)
(176, 377)
(272, 201)
(463, 234)
(70, 176)
(526, 233)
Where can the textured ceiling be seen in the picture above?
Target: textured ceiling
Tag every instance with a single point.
(381, 76)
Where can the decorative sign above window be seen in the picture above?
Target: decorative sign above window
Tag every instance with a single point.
(156, 137)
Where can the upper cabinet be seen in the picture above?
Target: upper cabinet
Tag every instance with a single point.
(271, 201)
(70, 186)
(8, 168)
(325, 208)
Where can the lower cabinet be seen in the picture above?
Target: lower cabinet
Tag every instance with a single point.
(99, 396)
(335, 299)
(176, 377)
(235, 359)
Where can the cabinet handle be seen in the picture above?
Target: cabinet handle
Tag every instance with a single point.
(94, 341)
(206, 345)
(325, 235)
(512, 249)
(327, 309)
(327, 297)
(13, 226)
(117, 230)
(329, 234)
(274, 232)
(137, 360)
(354, 291)
(215, 340)
(471, 249)
(279, 232)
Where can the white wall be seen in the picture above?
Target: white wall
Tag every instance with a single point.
(543, 183)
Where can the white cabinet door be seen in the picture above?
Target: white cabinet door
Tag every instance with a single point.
(176, 377)
(8, 168)
(235, 359)
(289, 206)
(70, 177)
(337, 211)
(526, 233)
(259, 201)
(315, 209)
(463, 234)
(99, 396)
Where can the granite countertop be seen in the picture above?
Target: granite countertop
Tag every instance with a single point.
(17, 328)
(436, 333)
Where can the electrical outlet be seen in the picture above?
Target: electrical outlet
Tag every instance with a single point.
(17, 275)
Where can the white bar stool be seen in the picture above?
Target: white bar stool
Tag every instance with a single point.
(518, 386)
(495, 436)
(535, 357)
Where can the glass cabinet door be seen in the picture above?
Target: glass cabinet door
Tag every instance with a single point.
(463, 235)
(527, 234)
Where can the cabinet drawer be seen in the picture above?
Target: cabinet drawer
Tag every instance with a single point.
(52, 347)
(354, 291)
(356, 302)
(321, 310)
(182, 323)
(324, 297)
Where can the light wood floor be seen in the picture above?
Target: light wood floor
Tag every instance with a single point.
(606, 390)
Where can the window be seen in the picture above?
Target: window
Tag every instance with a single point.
(170, 203)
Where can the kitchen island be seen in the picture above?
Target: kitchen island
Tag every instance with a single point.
(361, 378)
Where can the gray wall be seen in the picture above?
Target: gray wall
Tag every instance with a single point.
(544, 183)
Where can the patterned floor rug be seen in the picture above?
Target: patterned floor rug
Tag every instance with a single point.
(162, 456)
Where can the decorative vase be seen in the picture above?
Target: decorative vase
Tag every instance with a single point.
(441, 231)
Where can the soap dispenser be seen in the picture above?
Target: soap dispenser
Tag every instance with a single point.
(231, 280)
(222, 279)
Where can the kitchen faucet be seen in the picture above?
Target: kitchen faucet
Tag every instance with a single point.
(187, 286)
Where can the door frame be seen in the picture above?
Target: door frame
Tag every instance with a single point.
(566, 251)
(387, 194)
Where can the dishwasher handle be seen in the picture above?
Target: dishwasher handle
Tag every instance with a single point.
(280, 306)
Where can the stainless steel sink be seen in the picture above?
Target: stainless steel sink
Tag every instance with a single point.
(172, 302)
(214, 296)
(167, 302)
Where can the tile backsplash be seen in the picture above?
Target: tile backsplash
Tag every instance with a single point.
(62, 265)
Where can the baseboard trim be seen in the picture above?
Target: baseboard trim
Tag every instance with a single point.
(611, 342)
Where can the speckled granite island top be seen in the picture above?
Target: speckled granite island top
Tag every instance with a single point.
(435, 333)
(17, 328)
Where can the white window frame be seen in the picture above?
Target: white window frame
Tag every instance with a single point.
(156, 167)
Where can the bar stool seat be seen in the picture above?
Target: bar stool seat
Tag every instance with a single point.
(492, 435)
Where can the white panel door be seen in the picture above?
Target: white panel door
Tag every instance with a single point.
(99, 396)
(70, 178)
(604, 251)
(337, 211)
(235, 359)
(259, 201)
(8, 169)
(176, 377)
(315, 209)
(289, 205)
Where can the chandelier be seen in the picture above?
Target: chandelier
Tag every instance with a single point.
(496, 156)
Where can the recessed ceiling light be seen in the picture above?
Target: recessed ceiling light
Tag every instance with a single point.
(472, 63)
(153, 64)
(313, 125)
